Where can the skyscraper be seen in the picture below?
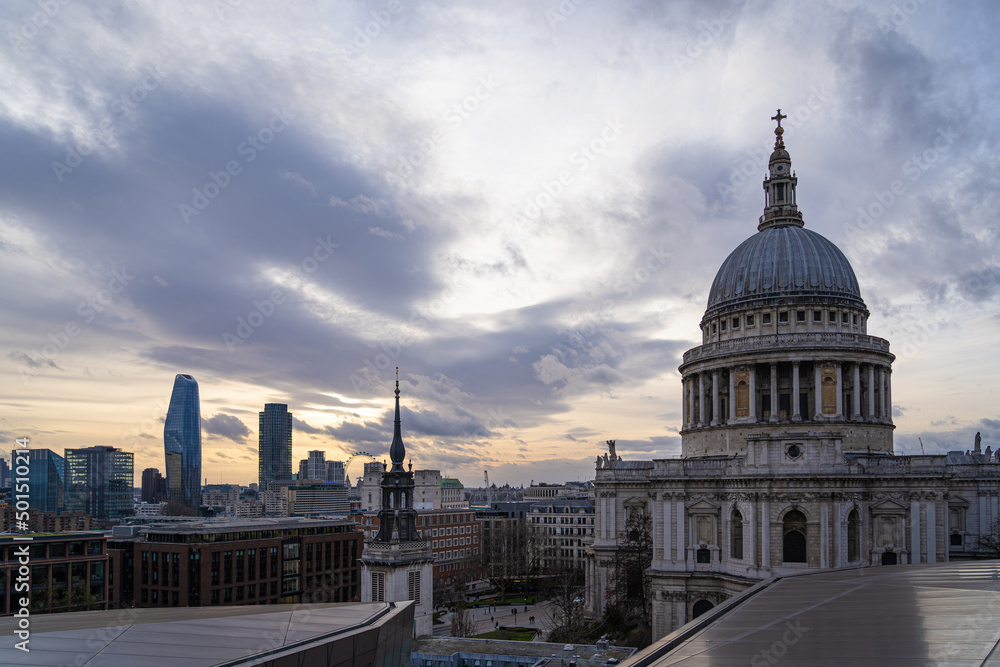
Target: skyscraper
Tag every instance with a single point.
(99, 482)
(275, 440)
(182, 443)
(47, 478)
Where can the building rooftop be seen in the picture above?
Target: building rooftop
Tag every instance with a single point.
(579, 652)
(196, 637)
(234, 525)
(941, 613)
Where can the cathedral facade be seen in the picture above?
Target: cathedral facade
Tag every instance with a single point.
(787, 459)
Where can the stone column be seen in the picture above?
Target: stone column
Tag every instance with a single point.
(818, 372)
(879, 406)
(765, 535)
(716, 420)
(840, 531)
(824, 536)
(681, 540)
(932, 532)
(684, 404)
(856, 393)
(796, 390)
(914, 531)
(774, 392)
(840, 390)
(871, 392)
(668, 521)
(701, 399)
(753, 393)
(732, 393)
(888, 392)
(691, 416)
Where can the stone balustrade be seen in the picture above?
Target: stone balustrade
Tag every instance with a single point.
(785, 341)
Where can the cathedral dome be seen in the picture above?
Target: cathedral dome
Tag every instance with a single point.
(783, 262)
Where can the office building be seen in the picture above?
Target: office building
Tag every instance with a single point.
(154, 486)
(99, 482)
(239, 562)
(47, 480)
(275, 444)
(182, 443)
(68, 572)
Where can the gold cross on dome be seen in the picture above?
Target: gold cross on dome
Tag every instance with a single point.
(779, 117)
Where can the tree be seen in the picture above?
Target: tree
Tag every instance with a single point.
(990, 542)
(566, 611)
(462, 624)
(511, 551)
(629, 593)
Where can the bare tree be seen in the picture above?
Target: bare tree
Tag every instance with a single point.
(629, 593)
(990, 542)
(462, 624)
(511, 552)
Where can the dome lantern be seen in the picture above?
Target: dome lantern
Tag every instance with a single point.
(780, 207)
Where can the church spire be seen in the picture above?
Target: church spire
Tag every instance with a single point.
(397, 451)
(780, 208)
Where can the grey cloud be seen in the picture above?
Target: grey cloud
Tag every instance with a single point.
(226, 426)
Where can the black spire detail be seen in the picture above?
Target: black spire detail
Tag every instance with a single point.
(397, 451)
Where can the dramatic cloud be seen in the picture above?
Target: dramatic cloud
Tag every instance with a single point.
(522, 213)
(226, 426)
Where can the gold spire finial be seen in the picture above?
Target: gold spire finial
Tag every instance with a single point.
(778, 131)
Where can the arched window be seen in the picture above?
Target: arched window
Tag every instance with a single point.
(736, 533)
(853, 533)
(794, 537)
(700, 607)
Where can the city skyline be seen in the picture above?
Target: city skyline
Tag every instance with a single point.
(522, 208)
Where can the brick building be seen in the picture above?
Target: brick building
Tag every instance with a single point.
(47, 522)
(69, 572)
(241, 562)
(454, 535)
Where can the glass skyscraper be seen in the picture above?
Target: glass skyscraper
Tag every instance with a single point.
(275, 450)
(99, 482)
(182, 443)
(47, 479)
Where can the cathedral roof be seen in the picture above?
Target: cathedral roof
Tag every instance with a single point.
(785, 261)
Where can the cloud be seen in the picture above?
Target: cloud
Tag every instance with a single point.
(226, 426)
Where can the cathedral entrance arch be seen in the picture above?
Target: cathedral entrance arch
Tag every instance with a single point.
(889, 558)
(700, 607)
(793, 544)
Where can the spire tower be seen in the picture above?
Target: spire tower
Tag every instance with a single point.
(779, 187)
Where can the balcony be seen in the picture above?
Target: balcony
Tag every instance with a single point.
(784, 341)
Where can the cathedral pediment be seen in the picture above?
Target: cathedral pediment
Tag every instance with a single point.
(703, 506)
(889, 506)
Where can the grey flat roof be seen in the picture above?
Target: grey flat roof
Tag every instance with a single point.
(450, 645)
(176, 637)
(940, 614)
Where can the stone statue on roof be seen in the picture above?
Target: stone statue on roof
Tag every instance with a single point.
(979, 442)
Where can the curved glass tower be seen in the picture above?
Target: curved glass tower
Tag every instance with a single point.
(182, 443)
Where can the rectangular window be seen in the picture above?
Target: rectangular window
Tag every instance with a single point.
(749, 320)
(765, 318)
(854, 319)
(722, 325)
(714, 327)
(843, 318)
(413, 585)
(736, 323)
(783, 316)
(833, 317)
(817, 316)
(227, 566)
(378, 586)
(800, 316)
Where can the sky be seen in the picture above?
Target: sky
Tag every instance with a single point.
(522, 205)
